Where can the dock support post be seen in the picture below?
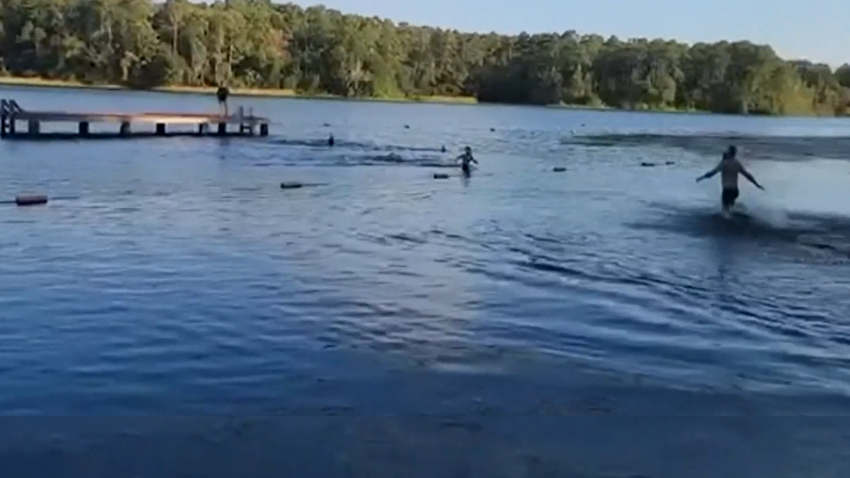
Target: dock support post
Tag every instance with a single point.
(33, 128)
(264, 129)
(125, 128)
(12, 125)
(84, 128)
(222, 129)
(160, 129)
(3, 124)
(203, 129)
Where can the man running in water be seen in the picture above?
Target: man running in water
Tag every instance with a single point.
(465, 159)
(729, 168)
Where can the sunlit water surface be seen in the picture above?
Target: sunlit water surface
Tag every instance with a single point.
(604, 321)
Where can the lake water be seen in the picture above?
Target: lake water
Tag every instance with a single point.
(604, 321)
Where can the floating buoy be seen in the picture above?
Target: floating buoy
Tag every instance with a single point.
(31, 200)
(559, 169)
(670, 163)
(35, 199)
(407, 126)
(291, 185)
(441, 176)
(647, 165)
(492, 129)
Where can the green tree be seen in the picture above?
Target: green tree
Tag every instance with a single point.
(261, 44)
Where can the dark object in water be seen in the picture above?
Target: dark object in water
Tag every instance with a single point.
(331, 140)
(443, 149)
(291, 185)
(32, 200)
(558, 169)
(407, 126)
(327, 125)
(670, 163)
(647, 165)
(492, 129)
(441, 176)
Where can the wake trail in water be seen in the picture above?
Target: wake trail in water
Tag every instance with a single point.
(783, 148)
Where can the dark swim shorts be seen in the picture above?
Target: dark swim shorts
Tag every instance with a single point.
(729, 196)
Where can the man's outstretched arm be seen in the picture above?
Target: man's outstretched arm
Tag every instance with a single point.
(750, 178)
(709, 174)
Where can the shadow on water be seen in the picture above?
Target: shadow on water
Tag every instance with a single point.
(354, 153)
(353, 145)
(784, 148)
(803, 235)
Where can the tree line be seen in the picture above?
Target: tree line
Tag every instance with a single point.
(260, 44)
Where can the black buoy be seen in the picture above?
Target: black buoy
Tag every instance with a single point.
(670, 163)
(331, 140)
(31, 200)
(291, 185)
(327, 125)
(441, 176)
(559, 169)
(407, 126)
(443, 149)
(647, 165)
(492, 129)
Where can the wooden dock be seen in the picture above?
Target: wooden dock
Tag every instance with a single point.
(239, 124)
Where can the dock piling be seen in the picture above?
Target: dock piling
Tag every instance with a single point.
(5, 115)
(84, 128)
(160, 129)
(33, 128)
(264, 129)
(203, 129)
(125, 128)
(222, 129)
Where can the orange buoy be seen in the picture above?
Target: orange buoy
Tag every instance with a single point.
(31, 200)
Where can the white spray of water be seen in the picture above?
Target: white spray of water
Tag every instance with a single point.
(761, 210)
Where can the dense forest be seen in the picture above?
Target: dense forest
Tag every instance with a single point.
(260, 44)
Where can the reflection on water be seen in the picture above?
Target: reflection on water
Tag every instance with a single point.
(601, 321)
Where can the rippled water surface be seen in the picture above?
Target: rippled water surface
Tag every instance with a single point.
(601, 321)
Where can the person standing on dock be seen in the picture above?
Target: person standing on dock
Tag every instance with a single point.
(222, 94)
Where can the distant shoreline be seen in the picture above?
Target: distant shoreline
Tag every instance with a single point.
(284, 93)
(244, 92)
(293, 94)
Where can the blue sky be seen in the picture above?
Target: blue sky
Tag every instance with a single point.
(817, 30)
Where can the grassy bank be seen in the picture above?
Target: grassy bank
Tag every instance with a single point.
(205, 90)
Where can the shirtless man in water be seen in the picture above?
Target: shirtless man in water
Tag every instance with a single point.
(465, 160)
(729, 168)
